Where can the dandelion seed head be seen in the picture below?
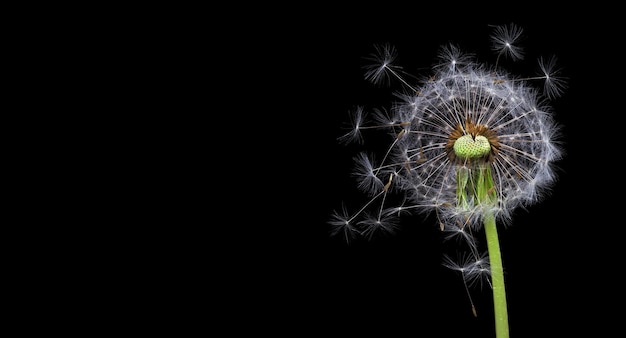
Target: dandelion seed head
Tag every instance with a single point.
(470, 139)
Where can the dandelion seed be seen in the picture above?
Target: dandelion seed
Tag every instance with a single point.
(504, 41)
(368, 181)
(554, 83)
(375, 223)
(474, 269)
(342, 224)
(382, 67)
(450, 58)
(355, 131)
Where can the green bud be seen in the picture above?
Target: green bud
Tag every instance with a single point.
(468, 147)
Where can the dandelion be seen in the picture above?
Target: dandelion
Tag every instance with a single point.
(470, 143)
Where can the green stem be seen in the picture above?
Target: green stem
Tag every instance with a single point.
(478, 182)
(497, 277)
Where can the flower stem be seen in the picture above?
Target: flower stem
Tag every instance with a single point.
(497, 277)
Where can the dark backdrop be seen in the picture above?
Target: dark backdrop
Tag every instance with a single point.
(306, 281)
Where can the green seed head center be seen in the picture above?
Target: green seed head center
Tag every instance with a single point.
(470, 147)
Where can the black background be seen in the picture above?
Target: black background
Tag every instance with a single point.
(219, 134)
(558, 254)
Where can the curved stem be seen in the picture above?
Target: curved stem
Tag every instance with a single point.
(497, 277)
